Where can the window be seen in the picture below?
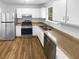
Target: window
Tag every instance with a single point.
(50, 13)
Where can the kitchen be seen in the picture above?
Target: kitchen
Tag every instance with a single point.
(39, 29)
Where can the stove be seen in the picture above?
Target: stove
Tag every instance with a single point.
(26, 28)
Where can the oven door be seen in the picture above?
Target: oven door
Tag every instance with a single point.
(26, 28)
(26, 31)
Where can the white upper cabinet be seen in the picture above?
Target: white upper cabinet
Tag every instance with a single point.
(59, 10)
(73, 11)
(43, 12)
(66, 11)
(35, 12)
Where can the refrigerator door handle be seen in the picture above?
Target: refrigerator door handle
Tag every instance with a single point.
(7, 22)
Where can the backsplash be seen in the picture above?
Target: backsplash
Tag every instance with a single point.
(19, 20)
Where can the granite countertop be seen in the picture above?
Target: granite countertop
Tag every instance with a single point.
(66, 43)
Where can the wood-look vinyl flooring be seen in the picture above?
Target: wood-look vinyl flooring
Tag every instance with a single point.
(22, 48)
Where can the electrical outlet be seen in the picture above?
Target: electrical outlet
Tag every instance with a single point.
(63, 18)
(66, 18)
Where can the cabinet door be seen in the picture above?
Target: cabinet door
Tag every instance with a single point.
(35, 30)
(60, 54)
(40, 34)
(49, 48)
(18, 30)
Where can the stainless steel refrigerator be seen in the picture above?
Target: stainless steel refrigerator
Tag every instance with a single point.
(7, 26)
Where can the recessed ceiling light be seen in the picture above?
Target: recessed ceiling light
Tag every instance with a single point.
(28, 0)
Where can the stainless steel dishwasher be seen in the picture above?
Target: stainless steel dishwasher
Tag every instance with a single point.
(49, 48)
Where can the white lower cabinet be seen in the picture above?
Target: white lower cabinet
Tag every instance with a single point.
(18, 30)
(40, 34)
(60, 54)
(37, 31)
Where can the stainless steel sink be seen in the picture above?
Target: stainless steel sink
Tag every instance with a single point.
(46, 27)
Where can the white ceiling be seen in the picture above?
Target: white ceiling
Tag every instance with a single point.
(25, 2)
